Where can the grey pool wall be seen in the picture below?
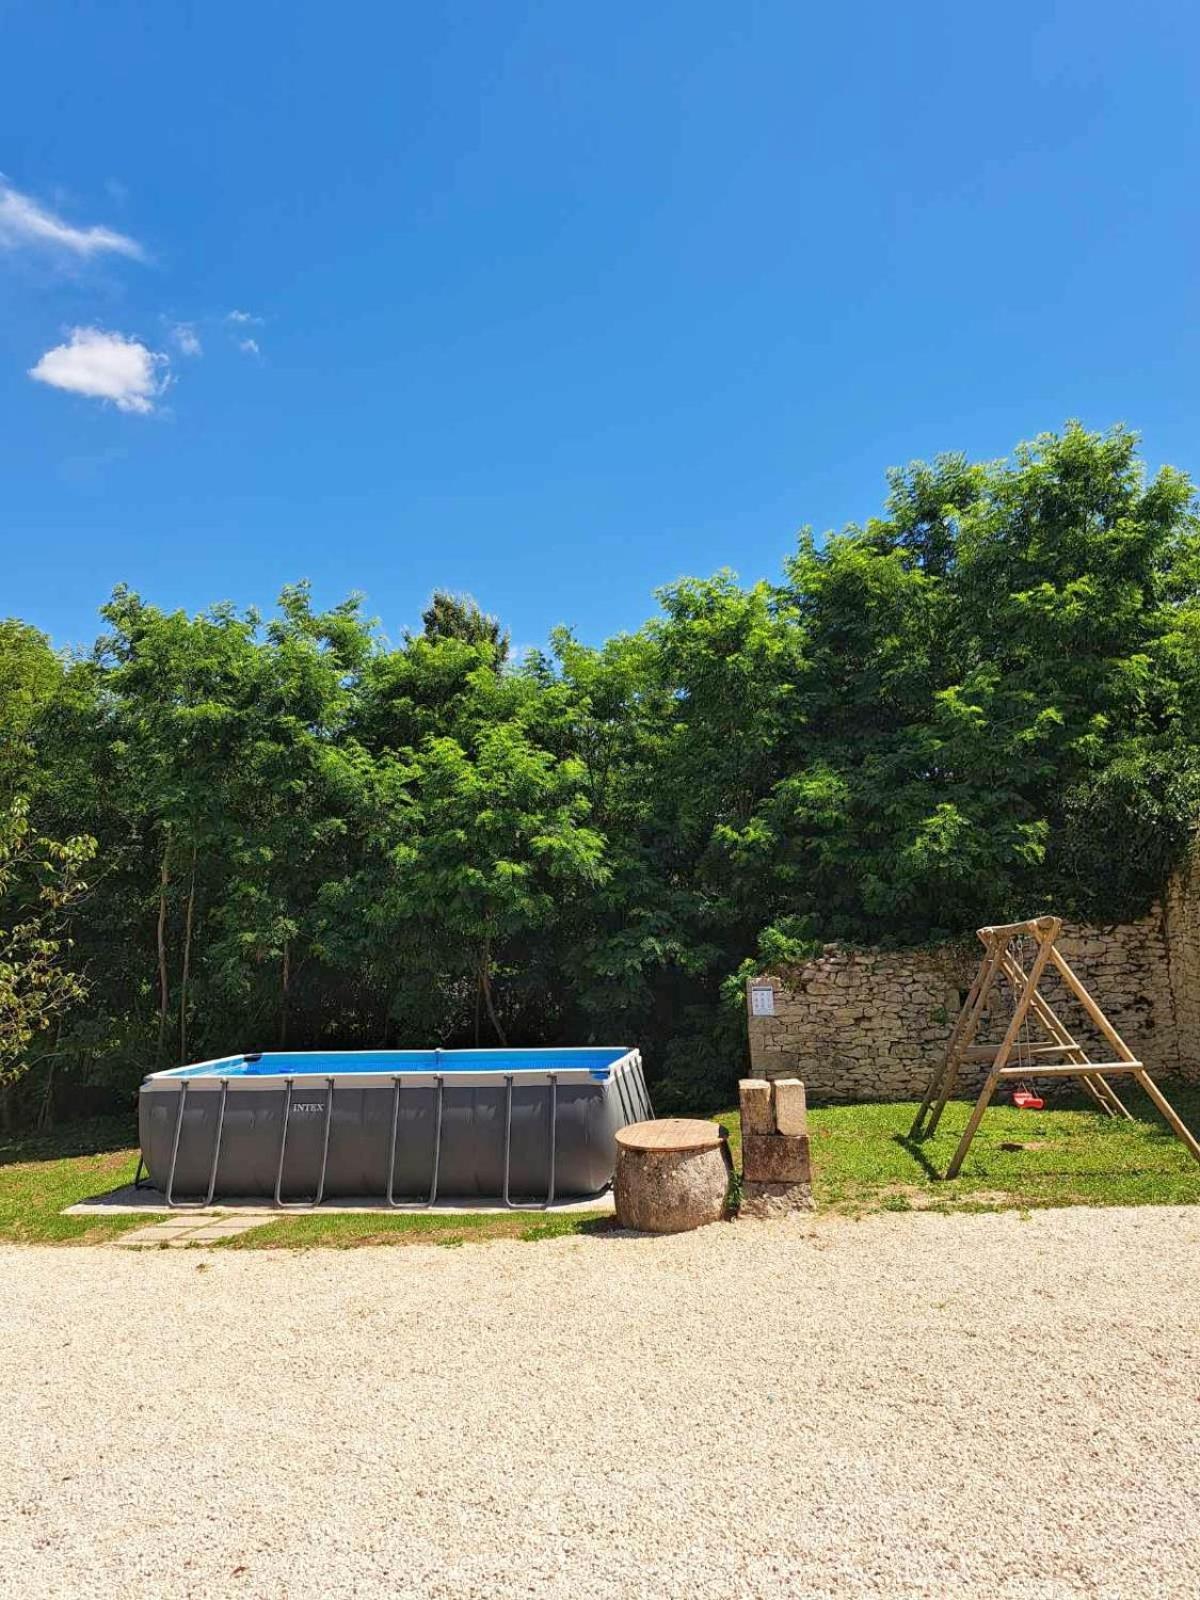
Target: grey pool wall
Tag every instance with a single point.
(522, 1127)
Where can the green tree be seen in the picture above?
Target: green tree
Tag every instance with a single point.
(978, 691)
(30, 672)
(459, 616)
(498, 846)
(39, 887)
(980, 704)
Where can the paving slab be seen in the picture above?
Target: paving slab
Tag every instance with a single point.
(228, 1228)
(202, 1228)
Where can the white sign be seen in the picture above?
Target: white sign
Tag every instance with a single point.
(762, 1000)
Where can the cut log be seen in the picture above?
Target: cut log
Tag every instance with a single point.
(672, 1175)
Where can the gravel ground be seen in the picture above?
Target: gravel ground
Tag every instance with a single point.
(910, 1405)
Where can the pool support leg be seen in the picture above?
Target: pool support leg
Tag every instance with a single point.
(538, 1205)
(420, 1205)
(633, 1095)
(628, 1109)
(303, 1205)
(646, 1100)
(194, 1205)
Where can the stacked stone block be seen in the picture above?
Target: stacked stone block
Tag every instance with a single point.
(776, 1167)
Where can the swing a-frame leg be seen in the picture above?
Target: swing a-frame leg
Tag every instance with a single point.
(1000, 960)
(1101, 1091)
(1000, 938)
(941, 1085)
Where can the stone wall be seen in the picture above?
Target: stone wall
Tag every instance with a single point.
(873, 1024)
(1181, 919)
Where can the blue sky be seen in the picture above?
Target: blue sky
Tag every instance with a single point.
(557, 303)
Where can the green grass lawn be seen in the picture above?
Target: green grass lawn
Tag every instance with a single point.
(862, 1162)
(42, 1173)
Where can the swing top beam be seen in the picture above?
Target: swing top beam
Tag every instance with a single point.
(1000, 960)
(1012, 930)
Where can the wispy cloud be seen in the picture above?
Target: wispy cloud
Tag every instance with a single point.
(26, 222)
(106, 366)
(186, 338)
(249, 347)
(245, 318)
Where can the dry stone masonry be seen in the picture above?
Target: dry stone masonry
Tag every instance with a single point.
(872, 1024)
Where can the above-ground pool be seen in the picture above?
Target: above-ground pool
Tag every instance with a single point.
(525, 1127)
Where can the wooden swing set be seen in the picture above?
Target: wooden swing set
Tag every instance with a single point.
(1058, 1055)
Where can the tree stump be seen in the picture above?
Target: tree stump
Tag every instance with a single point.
(672, 1175)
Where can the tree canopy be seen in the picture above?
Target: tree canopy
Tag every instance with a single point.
(977, 706)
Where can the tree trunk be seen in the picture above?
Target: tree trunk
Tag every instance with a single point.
(478, 1003)
(485, 983)
(164, 990)
(284, 980)
(45, 1116)
(387, 1031)
(187, 960)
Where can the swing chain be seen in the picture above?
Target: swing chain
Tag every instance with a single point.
(1024, 1096)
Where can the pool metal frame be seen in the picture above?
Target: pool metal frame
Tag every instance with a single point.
(634, 1098)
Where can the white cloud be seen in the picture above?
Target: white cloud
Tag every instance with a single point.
(105, 366)
(249, 347)
(186, 337)
(23, 221)
(244, 317)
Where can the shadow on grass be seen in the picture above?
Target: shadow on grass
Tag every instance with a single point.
(593, 1226)
(914, 1148)
(353, 1230)
(93, 1137)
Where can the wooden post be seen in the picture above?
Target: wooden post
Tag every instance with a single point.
(1170, 1115)
(1090, 1006)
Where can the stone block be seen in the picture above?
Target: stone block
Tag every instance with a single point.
(754, 1098)
(768, 1201)
(774, 1158)
(791, 1108)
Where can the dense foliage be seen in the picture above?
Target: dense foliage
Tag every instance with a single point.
(41, 877)
(979, 705)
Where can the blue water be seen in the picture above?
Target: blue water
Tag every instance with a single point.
(598, 1059)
